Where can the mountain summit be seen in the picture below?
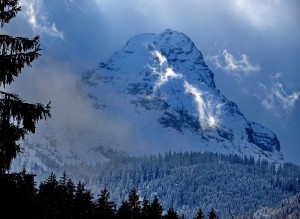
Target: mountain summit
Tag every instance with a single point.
(165, 92)
(153, 96)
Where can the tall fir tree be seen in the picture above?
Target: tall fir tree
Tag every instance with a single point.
(65, 190)
(17, 118)
(26, 194)
(124, 211)
(200, 214)
(134, 204)
(155, 209)
(17, 196)
(145, 212)
(84, 207)
(171, 214)
(212, 214)
(105, 207)
(48, 196)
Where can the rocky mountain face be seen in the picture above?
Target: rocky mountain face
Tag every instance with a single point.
(169, 96)
(153, 96)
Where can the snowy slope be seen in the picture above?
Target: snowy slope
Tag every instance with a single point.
(166, 93)
(154, 95)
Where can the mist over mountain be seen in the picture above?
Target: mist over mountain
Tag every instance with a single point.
(153, 96)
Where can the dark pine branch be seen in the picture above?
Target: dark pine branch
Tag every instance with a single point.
(14, 109)
(17, 118)
(11, 65)
(8, 10)
(14, 45)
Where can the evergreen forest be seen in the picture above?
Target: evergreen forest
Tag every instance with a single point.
(185, 182)
(174, 185)
(62, 198)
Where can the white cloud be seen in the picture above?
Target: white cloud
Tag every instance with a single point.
(276, 98)
(38, 19)
(233, 66)
(229, 63)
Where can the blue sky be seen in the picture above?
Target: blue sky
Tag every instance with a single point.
(252, 47)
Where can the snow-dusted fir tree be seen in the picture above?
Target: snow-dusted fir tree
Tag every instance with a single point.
(17, 117)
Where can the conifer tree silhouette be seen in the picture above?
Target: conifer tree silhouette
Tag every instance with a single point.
(17, 118)
(145, 212)
(171, 214)
(200, 214)
(212, 214)
(124, 211)
(155, 209)
(84, 207)
(134, 204)
(105, 207)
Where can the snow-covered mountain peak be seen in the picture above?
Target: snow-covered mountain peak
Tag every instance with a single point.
(163, 77)
(155, 95)
(178, 51)
(169, 41)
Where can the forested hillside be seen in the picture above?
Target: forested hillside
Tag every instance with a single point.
(187, 181)
(289, 208)
(178, 184)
